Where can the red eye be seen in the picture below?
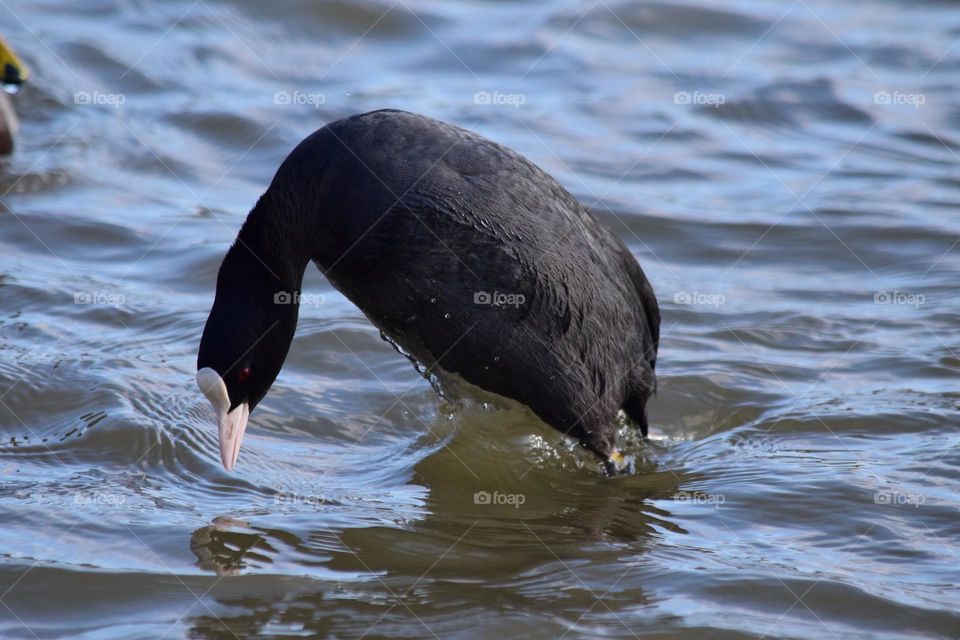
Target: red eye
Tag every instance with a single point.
(244, 374)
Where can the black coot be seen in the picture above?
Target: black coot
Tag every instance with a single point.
(462, 252)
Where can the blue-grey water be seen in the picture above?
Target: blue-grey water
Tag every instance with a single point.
(788, 174)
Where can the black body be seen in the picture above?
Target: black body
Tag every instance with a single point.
(414, 220)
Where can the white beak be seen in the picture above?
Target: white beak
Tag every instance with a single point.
(232, 424)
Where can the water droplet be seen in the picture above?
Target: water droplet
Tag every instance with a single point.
(446, 316)
(496, 358)
(433, 300)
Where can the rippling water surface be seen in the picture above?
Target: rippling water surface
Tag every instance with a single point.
(787, 173)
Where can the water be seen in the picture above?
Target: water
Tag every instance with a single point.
(787, 173)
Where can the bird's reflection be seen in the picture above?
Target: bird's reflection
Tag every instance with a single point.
(221, 548)
(381, 566)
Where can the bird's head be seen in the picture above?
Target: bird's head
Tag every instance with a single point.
(244, 343)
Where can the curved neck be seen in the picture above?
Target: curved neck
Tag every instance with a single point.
(276, 244)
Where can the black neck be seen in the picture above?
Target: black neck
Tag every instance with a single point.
(270, 243)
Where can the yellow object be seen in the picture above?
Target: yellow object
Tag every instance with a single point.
(13, 71)
(617, 457)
